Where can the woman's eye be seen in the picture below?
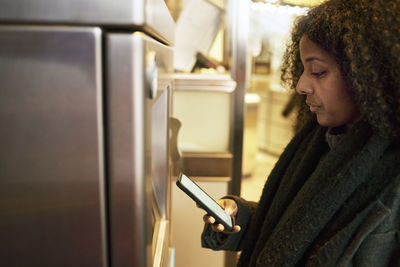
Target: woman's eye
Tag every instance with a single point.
(318, 74)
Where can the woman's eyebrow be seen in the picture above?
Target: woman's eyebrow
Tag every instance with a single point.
(309, 59)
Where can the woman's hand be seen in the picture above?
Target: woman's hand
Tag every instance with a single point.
(230, 208)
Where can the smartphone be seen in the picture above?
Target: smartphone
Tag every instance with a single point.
(205, 201)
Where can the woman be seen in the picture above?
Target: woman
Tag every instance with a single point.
(333, 198)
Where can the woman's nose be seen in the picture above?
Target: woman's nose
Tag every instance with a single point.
(303, 87)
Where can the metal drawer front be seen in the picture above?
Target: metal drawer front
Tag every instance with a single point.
(51, 156)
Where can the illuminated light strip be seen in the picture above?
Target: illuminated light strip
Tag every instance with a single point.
(282, 9)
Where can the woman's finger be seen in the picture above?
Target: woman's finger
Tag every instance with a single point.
(209, 219)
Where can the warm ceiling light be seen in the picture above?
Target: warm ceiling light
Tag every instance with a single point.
(285, 9)
(303, 2)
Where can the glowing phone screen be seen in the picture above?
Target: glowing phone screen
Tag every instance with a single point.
(206, 199)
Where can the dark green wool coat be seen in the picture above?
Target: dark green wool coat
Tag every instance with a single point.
(323, 205)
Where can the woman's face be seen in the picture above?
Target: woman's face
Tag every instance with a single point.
(324, 86)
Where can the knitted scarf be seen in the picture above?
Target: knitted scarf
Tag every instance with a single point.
(304, 191)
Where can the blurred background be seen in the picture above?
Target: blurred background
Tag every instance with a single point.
(246, 40)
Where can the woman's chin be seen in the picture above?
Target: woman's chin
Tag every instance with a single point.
(323, 121)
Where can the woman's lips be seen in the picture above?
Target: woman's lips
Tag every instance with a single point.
(313, 107)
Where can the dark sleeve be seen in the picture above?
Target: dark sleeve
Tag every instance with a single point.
(221, 241)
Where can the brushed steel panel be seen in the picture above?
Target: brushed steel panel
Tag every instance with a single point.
(159, 152)
(132, 118)
(152, 16)
(129, 192)
(51, 156)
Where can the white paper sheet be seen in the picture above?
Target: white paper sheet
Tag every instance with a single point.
(196, 29)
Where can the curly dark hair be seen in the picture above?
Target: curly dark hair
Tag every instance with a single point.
(364, 38)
